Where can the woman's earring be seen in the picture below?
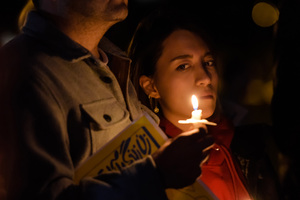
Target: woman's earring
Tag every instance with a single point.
(155, 109)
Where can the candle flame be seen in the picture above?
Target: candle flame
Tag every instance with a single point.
(195, 102)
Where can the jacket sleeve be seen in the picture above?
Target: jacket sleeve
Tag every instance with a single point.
(42, 164)
(139, 181)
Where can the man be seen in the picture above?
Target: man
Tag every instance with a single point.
(64, 96)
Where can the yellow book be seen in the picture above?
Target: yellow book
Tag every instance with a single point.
(141, 138)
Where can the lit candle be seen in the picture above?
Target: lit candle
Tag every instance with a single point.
(196, 114)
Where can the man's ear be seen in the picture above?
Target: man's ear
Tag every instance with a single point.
(148, 86)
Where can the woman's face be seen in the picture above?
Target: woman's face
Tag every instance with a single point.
(186, 67)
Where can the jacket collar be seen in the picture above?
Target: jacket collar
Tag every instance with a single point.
(40, 28)
(170, 129)
(223, 132)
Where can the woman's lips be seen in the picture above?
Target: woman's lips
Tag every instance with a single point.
(207, 96)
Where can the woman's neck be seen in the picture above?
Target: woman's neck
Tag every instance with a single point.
(174, 120)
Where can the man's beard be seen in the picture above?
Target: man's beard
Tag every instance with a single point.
(116, 13)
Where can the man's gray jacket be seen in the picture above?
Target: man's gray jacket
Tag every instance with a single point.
(61, 105)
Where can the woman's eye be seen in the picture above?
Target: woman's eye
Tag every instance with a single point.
(182, 67)
(210, 63)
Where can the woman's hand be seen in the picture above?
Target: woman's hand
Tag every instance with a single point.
(178, 160)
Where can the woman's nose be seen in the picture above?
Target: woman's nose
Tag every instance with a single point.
(202, 75)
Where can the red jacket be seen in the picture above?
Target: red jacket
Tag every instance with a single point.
(221, 172)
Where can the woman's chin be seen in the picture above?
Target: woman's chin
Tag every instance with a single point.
(207, 113)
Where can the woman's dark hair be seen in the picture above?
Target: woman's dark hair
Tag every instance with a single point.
(36, 3)
(146, 45)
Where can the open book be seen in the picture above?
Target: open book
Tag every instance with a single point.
(141, 138)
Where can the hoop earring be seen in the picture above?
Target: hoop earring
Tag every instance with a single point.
(155, 109)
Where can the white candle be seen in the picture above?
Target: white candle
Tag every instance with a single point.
(196, 114)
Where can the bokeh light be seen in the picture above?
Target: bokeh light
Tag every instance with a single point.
(265, 14)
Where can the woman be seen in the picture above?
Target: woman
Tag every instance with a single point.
(172, 59)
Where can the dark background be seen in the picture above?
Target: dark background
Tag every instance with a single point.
(247, 49)
(250, 56)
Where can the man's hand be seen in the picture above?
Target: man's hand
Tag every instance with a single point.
(178, 160)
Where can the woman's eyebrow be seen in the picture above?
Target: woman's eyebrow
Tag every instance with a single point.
(181, 57)
(208, 54)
